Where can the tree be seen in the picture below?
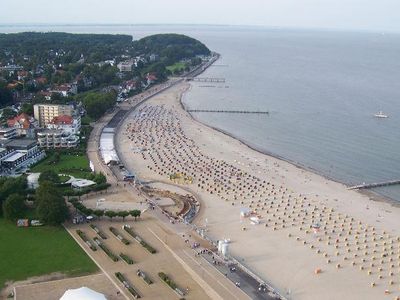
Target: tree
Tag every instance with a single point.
(96, 104)
(13, 207)
(135, 213)
(10, 186)
(111, 214)
(99, 178)
(98, 213)
(8, 113)
(123, 214)
(5, 95)
(49, 175)
(51, 207)
(27, 108)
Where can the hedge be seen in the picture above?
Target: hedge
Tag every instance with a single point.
(106, 250)
(118, 236)
(164, 277)
(127, 285)
(144, 277)
(86, 240)
(139, 239)
(126, 258)
(98, 231)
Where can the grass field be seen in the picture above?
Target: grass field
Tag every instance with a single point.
(176, 66)
(27, 252)
(75, 165)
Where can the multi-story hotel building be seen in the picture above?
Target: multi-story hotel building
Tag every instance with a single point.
(45, 113)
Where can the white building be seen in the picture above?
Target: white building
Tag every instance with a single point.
(54, 138)
(125, 66)
(68, 124)
(18, 154)
(8, 133)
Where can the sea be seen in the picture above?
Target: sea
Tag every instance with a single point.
(321, 89)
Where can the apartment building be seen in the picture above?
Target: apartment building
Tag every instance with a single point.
(55, 138)
(45, 113)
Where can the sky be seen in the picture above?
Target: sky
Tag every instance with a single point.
(371, 15)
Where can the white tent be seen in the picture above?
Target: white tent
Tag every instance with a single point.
(82, 293)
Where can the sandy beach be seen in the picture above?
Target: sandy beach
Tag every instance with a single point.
(316, 239)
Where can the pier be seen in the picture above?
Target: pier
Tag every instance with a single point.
(228, 111)
(374, 185)
(205, 79)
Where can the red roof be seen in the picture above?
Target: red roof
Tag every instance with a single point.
(62, 120)
(41, 80)
(22, 119)
(151, 77)
(22, 73)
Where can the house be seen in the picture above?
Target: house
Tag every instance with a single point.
(24, 124)
(130, 85)
(11, 68)
(151, 78)
(65, 89)
(68, 124)
(40, 81)
(125, 66)
(153, 57)
(22, 74)
(46, 95)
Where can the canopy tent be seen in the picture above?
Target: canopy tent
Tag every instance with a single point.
(82, 293)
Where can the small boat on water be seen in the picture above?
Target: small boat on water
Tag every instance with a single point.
(380, 115)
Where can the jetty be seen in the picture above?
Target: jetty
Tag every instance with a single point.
(374, 185)
(228, 111)
(205, 79)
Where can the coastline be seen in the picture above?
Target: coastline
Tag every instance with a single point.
(374, 196)
(264, 250)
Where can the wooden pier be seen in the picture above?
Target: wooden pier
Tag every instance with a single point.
(374, 185)
(228, 111)
(206, 79)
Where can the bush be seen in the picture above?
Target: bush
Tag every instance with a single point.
(126, 258)
(144, 277)
(127, 285)
(106, 250)
(139, 239)
(118, 236)
(98, 231)
(86, 240)
(164, 277)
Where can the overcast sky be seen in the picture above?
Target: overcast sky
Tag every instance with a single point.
(376, 15)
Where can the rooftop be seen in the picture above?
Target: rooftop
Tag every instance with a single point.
(62, 120)
(20, 143)
(15, 156)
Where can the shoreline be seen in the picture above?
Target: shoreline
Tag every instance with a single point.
(265, 250)
(374, 196)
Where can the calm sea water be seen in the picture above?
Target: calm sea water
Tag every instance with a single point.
(322, 89)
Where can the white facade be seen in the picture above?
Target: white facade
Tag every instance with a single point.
(52, 138)
(70, 128)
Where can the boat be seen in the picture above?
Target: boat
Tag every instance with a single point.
(380, 115)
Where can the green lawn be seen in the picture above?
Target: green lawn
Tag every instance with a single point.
(176, 66)
(27, 252)
(75, 165)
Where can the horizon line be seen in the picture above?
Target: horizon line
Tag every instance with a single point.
(276, 27)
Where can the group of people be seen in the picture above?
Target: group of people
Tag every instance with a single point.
(340, 239)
